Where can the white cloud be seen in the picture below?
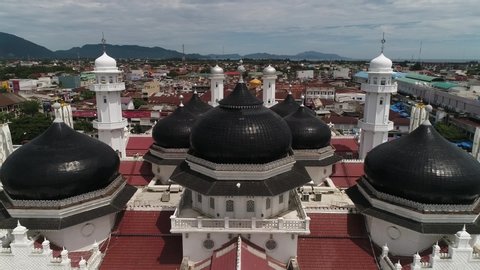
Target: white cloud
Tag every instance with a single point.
(349, 27)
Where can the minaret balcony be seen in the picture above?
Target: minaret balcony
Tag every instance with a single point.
(380, 127)
(109, 125)
(186, 219)
(374, 88)
(109, 87)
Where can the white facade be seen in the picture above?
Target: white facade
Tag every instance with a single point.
(269, 78)
(108, 87)
(216, 85)
(305, 74)
(23, 255)
(379, 88)
(462, 254)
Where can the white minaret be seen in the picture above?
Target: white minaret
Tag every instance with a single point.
(375, 124)
(109, 85)
(216, 85)
(269, 78)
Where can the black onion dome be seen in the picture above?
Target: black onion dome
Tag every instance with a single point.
(308, 132)
(240, 130)
(174, 130)
(424, 167)
(196, 106)
(58, 164)
(286, 107)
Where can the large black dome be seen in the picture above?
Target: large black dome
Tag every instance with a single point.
(424, 167)
(308, 132)
(240, 130)
(286, 107)
(58, 164)
(174, 130)
(196, 106)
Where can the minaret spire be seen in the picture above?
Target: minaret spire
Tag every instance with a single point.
(383, 41)
(103, 42)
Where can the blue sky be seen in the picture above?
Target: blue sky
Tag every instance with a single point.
(447, 29)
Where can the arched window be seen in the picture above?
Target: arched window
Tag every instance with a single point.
(229, 206)
(280, 199)
(199, 197)
(110, 79)
(102, 79)
(381, 101)
(382, 81)
(250, 206)
(375, 80)
(268, 203)
(212, 203)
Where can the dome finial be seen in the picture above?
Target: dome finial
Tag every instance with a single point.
(181, 101)
(58, 114)
(383, 41)
(241, 69)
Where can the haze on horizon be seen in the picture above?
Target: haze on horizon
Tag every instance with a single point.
(447, 29)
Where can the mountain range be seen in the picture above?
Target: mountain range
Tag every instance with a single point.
(14, 47)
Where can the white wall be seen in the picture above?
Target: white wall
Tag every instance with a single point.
(83, 235)
(240, 206)
(193, 244)
(400, 240)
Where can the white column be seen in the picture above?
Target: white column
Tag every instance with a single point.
(375, 124)
(216, 85)
(269, 77)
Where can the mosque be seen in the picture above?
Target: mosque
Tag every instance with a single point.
(239, 183)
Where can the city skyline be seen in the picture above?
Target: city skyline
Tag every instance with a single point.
(441, 29)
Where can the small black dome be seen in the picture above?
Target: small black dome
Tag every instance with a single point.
(196, 106)
(58, 164)
(424, 167)
(286, 107)
(240, 130)
(174, 130)
(308, 132)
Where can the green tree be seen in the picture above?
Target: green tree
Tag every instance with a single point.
(30, 107)
(137, 102)
(27, 127)
(84, 125)
(450, 132)
(87, 95)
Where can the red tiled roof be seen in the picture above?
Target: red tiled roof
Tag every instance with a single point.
(337, 225)
(335, 253)
(345, 144)
(138, 145)
(143, 252)
(337, 241)
(142, 240)
(144, 223)
(137, 173)
(346, 174)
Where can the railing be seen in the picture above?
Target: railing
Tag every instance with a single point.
(281, 224)
(108, 87)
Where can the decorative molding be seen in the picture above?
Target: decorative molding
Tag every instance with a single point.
(422, 207)
(240, 171)
(75, 200)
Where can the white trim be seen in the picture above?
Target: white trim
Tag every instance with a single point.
(417, 216)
